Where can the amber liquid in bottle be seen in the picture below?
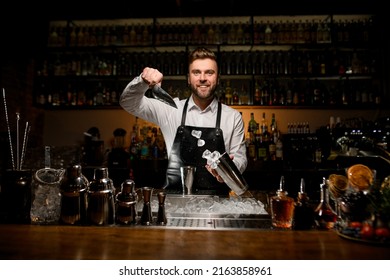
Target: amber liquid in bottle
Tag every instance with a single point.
(282, 208)
(325, 217)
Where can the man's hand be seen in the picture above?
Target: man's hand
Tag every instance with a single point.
(215, 173)
(152, 76)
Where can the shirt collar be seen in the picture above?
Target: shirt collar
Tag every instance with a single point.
(212, 107)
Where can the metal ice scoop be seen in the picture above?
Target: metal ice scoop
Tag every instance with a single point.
(163, 96)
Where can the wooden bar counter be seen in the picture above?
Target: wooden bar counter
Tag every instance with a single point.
(30, 242)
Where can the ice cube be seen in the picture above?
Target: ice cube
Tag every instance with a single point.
(206, 154)
(215, 155)
(196, 133)
(201, 142)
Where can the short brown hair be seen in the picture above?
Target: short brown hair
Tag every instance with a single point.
(201, 53)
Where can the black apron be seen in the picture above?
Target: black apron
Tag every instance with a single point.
(188, 149)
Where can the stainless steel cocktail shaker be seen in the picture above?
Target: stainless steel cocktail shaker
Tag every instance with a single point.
(125, 204)
(101, 204)
(73, 191)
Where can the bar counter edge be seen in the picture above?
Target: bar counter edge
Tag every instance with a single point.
(58, 242)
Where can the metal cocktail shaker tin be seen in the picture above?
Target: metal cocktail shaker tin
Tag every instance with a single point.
(226, 168)
(231, 175)
(73, 191)
(101, 196)
(125, 204)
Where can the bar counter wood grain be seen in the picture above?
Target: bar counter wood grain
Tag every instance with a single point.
(30, 242)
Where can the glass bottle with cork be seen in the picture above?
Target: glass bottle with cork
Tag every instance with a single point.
(303, 211)
(325, 217)
(282, 208)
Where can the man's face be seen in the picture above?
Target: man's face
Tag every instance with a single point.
(203, 78)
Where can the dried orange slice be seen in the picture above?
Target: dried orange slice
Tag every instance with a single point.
(338, 184)
(360, 177)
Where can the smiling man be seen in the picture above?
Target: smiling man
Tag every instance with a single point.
(198, 123)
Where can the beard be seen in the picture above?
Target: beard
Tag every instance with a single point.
(203, 95)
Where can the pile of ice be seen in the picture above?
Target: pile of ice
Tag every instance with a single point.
(213, 205)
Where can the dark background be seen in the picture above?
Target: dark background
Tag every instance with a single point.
(24, 31)
(23, 24)
(88, 9)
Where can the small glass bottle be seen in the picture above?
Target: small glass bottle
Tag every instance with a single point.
(303, 212)
(282, 208)
(325, 217)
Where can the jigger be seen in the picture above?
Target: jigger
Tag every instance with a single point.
(146, 217)
(161, 217)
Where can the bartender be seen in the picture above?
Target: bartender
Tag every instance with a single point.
(191, 125)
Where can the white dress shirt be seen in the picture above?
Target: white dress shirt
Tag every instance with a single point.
(168, 118)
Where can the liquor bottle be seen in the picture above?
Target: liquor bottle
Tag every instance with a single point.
(262, 147)
(272, 147)
(265, 93)
(325, 217)
(273, 125)
(268, 33)
(257, 94)
(265, 139)
(240, 34)
(236, 97)
(252, 125)
(264, 124)
(221, 93)
(135, 142)
(273, 138)
(252, 154)
(282, 208)
(279, 147)
(228, 93)
(252, 130)
(146, 148)
(244, 96)
(303, 212)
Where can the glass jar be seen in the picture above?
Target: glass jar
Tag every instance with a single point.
(45, 196)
